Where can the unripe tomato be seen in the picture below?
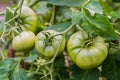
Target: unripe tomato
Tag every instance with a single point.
(85, 54)
(47, 46)
(47, 14)
(23, 42)
(28, 18)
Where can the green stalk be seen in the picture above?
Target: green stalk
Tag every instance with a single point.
(88, 1)
(53, 15)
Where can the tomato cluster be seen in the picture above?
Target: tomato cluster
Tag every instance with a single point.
(84, 52)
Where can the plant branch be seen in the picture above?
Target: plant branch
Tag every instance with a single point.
(88, 1)
(2, 13)
(20, 6)
(64, 32)
(33, 3)
(117, 32)
(53, 15)
(1, 53)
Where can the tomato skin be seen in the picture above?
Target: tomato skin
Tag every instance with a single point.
(29, 19)
(23, 42)
(47, 15)
(48, 48)
(86, 57)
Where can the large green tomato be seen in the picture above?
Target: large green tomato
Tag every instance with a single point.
(85, 54)
(28, 19)
(24, 42)
(47, 46)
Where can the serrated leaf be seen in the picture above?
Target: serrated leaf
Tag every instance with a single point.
(94, 7)
(59, 27)
(66, 2)
(6, 66)
(19, 74)
(8, 16)
(85, 74)
(111, 68)
(101, 23)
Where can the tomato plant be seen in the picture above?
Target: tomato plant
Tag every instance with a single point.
(60, 40)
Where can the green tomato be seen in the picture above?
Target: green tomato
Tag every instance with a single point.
(29, 19)
(23, 42)
(86, 55)
(47, 14)
(47, 46)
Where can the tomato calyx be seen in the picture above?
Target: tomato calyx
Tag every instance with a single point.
(88, 42)
(48, 40)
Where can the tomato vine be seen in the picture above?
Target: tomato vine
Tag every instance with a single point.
(71, 40)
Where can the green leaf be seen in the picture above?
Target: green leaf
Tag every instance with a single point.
(4, 78)
(76, 17)
(31, 58)
(117, 55)
(60, 67)
(85, 74)
(94, 7)
(103, 24)
(19, 74)
(9, 15)
(59, 27)
(105, 4)
(66, 2)
(90, 29)
(32, 76)
(63, 14)
(6, 66)
(111, 68)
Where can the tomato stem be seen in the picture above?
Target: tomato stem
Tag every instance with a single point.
(78, 27)
(2, 13)
(88, 42)
(117, 32)
(53, 15)
(88, 1)
(64, 32)
(1, 53)
(33, 2)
